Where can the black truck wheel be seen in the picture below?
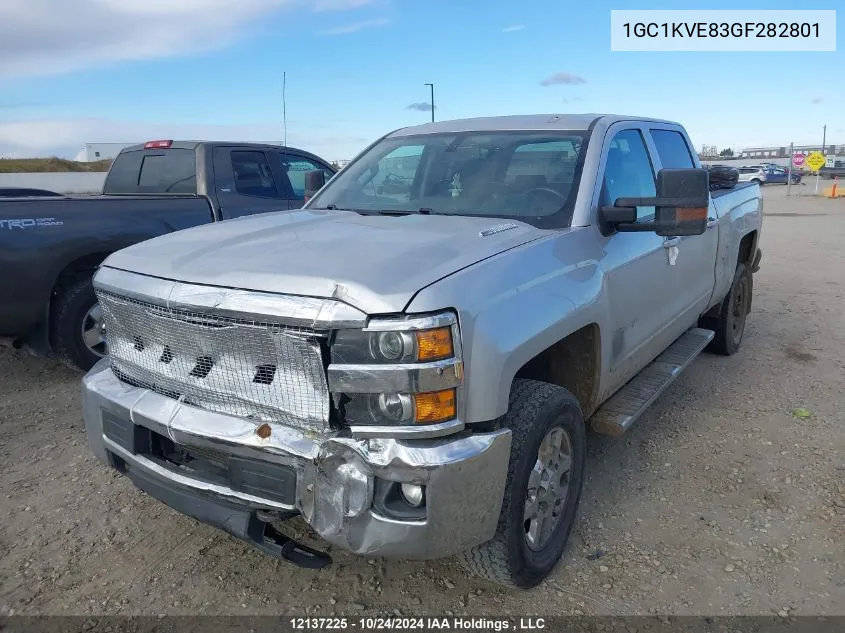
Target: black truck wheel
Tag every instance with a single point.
(77, 333)
(733, 313)
(545, 476)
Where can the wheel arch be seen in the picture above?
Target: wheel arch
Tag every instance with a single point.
(573, 362)
(39, 339)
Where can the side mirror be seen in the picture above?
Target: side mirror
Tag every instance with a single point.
(314, 181)
(681, 204)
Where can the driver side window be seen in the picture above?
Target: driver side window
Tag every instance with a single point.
(628, 172)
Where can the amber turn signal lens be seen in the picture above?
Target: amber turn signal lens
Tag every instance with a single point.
(434, 344)
(435, 406)
(690, 214)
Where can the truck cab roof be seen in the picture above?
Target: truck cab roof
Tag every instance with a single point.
(193, 145)
(551, 122)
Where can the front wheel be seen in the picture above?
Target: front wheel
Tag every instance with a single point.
(545, 477)
(77, 331)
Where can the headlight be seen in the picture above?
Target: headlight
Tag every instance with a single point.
(388, 373)
(419, 346)
(383, 409)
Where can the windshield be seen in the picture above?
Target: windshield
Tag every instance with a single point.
(519, 175)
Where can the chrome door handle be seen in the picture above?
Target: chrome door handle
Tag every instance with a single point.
(669, 242)
(711, 222)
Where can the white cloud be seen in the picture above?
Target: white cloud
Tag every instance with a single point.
(52, 36)
(65, 137)
(563, 78)
(513, 27)
(355, 27)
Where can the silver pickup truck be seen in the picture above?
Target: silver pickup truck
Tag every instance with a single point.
(410, 362)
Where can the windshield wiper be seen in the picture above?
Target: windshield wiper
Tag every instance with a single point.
(398, 212)
(334, 207)
(423, 211)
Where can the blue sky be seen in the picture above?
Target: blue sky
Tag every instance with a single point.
(129, 70)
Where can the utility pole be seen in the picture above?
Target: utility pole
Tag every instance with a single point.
(824, 139)
(432, 101)
(284, 110)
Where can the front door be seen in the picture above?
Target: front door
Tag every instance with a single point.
(295, 167)
(636, 266)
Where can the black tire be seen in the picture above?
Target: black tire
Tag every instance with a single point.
(69, 312)
(733, 313)
(535, 408)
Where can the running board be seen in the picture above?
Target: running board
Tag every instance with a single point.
(621, 410)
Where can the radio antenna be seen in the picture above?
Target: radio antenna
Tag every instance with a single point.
(284, 110)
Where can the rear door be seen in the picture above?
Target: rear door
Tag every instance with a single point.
(247, 183)
(693, 273)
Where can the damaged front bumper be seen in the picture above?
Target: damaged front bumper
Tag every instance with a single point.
(346, 489)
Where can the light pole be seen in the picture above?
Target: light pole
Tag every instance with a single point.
(432, 101)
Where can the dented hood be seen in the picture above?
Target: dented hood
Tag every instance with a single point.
(375, 263)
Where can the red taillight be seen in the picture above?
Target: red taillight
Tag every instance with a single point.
(158, 144)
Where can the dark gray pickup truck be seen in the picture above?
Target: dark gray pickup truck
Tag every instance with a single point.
(829, 172)
(50, 246)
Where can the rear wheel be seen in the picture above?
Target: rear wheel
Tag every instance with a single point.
(545, 476)
(733, 313)
(77, 332)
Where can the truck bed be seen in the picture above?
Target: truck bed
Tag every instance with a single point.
(738, 186)
(40, 236)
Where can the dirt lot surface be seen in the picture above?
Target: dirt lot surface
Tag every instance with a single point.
(720, 500)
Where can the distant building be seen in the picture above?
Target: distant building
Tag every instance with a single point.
(92, 152)
(783, 152)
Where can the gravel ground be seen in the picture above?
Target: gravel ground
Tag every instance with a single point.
(719, 501)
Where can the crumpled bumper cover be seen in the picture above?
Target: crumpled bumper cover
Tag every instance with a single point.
(464, 474)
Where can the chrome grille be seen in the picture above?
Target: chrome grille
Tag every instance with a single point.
(264, 370)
